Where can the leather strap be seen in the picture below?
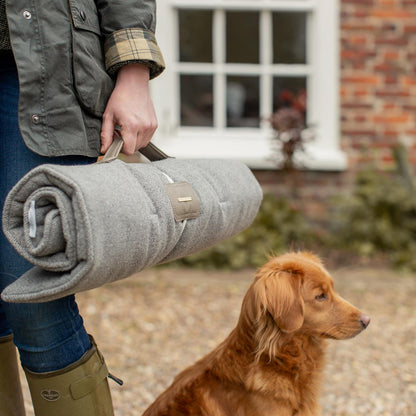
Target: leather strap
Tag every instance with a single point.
(88, 384)
(151, 152)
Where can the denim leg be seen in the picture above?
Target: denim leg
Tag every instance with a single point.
(49, 335)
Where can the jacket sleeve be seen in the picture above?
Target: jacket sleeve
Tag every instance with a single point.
(128, 27)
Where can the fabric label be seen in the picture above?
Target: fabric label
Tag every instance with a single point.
(32, 219)
(185, 202)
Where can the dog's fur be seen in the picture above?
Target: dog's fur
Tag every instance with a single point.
(271, 363)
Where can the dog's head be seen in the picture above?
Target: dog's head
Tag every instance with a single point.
(294, 294)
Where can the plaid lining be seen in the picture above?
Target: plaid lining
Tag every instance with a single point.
(133, 45)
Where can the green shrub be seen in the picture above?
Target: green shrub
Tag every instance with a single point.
(378, 217)
(277, 227)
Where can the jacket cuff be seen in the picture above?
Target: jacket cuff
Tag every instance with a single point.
(133, 46)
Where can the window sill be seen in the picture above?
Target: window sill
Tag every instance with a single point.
(251, 147)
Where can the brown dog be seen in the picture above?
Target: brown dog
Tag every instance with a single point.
(271, 363)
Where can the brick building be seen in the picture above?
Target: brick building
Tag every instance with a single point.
(378, 78)
(231, 61)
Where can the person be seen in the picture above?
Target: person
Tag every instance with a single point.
(70, 73)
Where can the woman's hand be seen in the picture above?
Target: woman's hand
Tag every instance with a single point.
(131, 108)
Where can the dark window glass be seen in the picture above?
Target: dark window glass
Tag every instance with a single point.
(242, 41)
(290, 92)
(195, 35)
(196, 100)
(243, 101)
(289, 38)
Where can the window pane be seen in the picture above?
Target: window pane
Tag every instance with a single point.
(196, 100)
(242, 37)
(289, 38)
(195, 35)
(243, 101)
(290, 92)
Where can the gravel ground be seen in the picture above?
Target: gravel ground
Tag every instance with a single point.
(150, 326)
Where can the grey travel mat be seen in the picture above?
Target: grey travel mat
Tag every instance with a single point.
(84, 226)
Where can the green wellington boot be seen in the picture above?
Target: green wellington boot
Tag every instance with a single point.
(11, 398)
(80, 389)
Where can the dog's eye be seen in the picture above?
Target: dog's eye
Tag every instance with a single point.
(321, 297)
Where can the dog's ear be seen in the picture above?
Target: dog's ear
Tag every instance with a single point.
(279, 293)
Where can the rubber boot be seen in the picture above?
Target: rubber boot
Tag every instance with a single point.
(11, 397)
(80, 389)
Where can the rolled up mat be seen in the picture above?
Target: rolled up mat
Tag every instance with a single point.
(85, 226)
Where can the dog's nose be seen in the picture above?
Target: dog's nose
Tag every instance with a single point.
(365, 320)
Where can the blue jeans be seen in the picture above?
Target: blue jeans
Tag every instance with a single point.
(49, 335)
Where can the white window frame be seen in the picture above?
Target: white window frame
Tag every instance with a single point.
(253, 146)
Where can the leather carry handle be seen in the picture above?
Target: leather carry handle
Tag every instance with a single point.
(151, 152)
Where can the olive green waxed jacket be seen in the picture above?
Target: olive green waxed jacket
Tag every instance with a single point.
(67, 52)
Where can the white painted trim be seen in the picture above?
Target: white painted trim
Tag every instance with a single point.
(324, 80)
(246, 4)
(266, 59)
(247, 145)
(218, 70)
(253, 145)
(242, 69)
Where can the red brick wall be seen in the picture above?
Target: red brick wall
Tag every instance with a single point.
(378, 99)
(378, 79)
